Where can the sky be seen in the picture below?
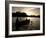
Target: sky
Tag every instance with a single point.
(27, 10)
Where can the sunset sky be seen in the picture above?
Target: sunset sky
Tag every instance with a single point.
(27, 10)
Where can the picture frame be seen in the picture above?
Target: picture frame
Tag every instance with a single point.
(10, 5)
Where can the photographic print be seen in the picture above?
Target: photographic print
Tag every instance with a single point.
(29, 18)
(25, 19)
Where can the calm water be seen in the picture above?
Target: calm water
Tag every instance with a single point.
(35, 22)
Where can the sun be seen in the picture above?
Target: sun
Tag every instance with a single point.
(28, 12)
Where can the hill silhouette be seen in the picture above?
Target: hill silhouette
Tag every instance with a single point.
(19, 14)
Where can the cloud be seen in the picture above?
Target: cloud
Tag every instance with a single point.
(27, 10)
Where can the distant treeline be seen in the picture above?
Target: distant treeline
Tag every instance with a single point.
(19, 14)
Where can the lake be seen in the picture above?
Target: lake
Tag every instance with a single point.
(35, 23)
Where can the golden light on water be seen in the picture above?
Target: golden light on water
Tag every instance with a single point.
(28, 18)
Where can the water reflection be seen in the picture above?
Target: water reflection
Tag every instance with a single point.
(34, 23)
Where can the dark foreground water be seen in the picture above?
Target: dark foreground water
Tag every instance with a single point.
(33, 25)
